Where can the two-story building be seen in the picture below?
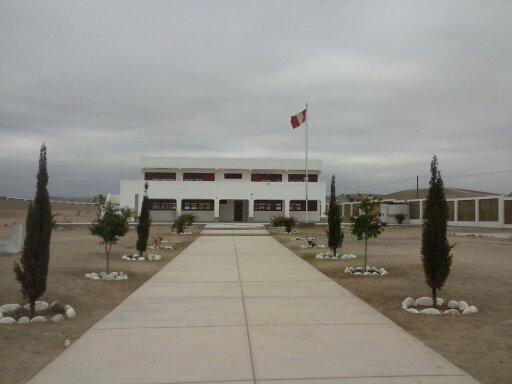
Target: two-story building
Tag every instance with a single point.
(227, 189)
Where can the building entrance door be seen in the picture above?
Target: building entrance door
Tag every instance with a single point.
(238, 211)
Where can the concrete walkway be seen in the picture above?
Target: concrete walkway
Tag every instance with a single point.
(241, 310)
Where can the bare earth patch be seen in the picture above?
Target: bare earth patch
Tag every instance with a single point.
(481, 274)
(26, 349)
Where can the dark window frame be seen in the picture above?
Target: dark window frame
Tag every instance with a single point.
(300, 205)
(268, 205)
(198, 176)
(162, 176)
(233, 176)
(197, 205)
(162, 204)
(267, 177)
(301, 178)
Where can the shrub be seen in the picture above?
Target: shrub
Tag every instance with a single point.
(188, 219)
(277, 221)
(400, 218)
(366, 225)
(110, 225)
(289, 223)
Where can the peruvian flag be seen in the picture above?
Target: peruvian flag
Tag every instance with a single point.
(298, 119)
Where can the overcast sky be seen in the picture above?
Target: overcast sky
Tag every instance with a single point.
(389, 84)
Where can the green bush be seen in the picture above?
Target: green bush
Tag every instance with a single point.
(289, 223)
(400, 218)
(188, 219)
(277, 221)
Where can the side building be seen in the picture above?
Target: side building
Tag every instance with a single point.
(227, 189)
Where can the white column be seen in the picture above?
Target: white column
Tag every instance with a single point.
(501, 211)
(178, 207)
(286, 208)
(322, 207)
(216, 209)
(455, 210)
(477, 211)
(251, 209)
(421, 210)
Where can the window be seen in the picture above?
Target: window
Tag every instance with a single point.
(197, 205)
(160, 176)
(268, 205)
(223, 202)
(302, 177)
(266, 177)
(233, 176)
(188, 176)
(300, 205)
(162, 205)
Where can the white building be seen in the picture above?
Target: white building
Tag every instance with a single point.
(227, 189)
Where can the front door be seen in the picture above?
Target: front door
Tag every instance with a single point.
(239, 206)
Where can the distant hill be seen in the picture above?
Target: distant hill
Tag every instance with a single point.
(451, 193)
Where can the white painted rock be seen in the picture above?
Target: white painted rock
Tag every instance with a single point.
(135, 255)
(108, 278)
(375, 273)
(453, 304)
(7, 320)
(408, 302)
(69, 311)
(9, 308)
(67, 343)
(126, 257)
(430, 311)
(412, 310)
(57, 317)
(427, 301)
(157, 257)
(470, 310)
(366, 273)
(451, 311)
(23, 320)
(357, 273)
(40, 306)
(141, 259)
(38, 319)
(463, 305)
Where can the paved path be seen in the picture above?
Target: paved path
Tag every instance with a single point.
(241, 310)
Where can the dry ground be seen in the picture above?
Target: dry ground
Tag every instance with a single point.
(26, 349)
(481, 273)
(14, 211)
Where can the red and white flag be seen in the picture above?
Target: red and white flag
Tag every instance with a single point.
(298, 119)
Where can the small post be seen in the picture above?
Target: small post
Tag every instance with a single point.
(417, 186)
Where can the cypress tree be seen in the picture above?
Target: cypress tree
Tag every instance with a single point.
(144, 223)
(435, 250)
(32, 270)
(335, 236)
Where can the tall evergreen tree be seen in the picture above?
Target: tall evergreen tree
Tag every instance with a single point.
(335, 235)
(32, 270)
(435, 250)
(144, 223)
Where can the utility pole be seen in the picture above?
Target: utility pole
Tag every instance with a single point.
(417, 186)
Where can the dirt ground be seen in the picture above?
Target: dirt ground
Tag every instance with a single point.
(481, 344)
(26, 349)
(15, 211)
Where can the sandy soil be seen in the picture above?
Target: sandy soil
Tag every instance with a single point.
(25, 350)
(480, 344)
(15, 211)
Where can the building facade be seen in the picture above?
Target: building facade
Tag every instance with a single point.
(227, 189)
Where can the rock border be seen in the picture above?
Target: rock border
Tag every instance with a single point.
(112, 276)
(370, 271)
(137, 257)
(454, 307)
(327, 255)
(41, 306)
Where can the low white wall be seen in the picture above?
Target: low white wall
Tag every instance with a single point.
(162, 216)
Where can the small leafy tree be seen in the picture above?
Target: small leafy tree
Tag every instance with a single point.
(32, 271)
(335, 235)
(400, 218)
(435, 250)
(367, 225)
(110, 225)
(144, 223)
(99, 199)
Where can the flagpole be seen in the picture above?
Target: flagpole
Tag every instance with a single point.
(307, 177)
